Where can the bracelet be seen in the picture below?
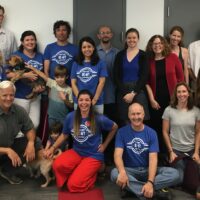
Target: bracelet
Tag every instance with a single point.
(170, 151)
(150, 182)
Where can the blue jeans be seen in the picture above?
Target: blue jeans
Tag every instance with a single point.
(165, 177)
(181, 164)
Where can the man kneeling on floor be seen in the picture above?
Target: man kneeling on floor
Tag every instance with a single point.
(135, 156)
(14, 151)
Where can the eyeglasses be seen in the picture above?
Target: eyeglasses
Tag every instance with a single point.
(157, 44)
(105, 33)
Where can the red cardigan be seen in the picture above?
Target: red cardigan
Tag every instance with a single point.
(174, 73)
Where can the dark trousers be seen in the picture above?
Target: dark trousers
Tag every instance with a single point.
(19, 147)
(110, 110)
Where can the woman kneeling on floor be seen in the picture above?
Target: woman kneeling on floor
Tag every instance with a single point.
(77, 168)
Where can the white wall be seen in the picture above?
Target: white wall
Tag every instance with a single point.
(147, 16)
(40, 15)
(36, 15)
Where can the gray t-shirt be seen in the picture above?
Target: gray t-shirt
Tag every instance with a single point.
(11, 123)
(182, 127)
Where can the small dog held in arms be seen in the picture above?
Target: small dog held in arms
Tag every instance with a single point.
(17, 65)
(42, 166)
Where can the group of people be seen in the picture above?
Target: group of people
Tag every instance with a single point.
(144, 93)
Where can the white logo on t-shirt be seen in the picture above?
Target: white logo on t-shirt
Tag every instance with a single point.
(62, 57)
(85, 133)
(35, 64)
(137, 145)
(86, 74)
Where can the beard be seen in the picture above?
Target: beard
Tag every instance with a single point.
(105, 41)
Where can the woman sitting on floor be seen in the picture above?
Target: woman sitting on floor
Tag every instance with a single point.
(181, 123)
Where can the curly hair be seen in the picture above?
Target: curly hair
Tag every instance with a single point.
(149, 48)
(59, 23)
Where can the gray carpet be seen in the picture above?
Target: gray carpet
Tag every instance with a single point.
(30, 190)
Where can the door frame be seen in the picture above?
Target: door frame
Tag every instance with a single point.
(166, 12)
(75, 18)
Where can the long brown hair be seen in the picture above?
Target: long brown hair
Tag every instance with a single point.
(166, 49)
(174, 100)
(197, 91)
(181, 31)
(77, 117)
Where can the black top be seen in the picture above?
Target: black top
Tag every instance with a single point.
(162, 91)
(181, 57)
(143, 71)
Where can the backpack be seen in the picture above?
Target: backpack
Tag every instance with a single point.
(191, 179)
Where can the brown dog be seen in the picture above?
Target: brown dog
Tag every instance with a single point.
(17, 65)
(42, 166)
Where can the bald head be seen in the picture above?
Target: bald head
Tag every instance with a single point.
(136, 116)
(136, 107)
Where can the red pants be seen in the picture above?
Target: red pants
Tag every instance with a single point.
(78, 172)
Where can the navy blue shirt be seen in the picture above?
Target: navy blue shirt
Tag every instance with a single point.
(87, 77)
(130, 69)
(86, 143)
(136, 145)
(60, 55)
(23, 87)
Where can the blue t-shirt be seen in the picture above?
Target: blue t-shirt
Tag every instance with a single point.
(23, 87)
(136, 145)
(87, 143)
(2, 74)
(60, 55)
(130, 69)
(87, 77)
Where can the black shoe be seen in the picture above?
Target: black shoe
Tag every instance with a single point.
(163, 194)
(125, 194)
(12, 179)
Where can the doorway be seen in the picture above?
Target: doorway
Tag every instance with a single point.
(90, 14)
(185, 14)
